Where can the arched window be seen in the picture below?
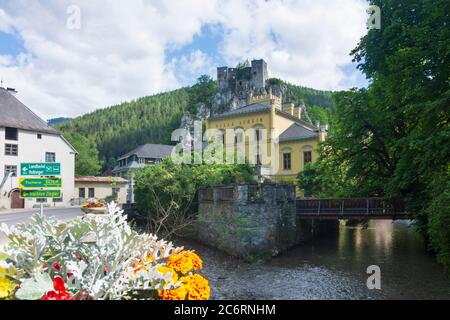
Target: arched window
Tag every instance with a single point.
(259, 130)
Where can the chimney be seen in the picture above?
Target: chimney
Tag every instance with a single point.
(11, 90)
(297, 112)
(323, 132)
(288, 108)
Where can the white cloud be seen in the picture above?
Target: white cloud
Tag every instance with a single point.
(305, 42)
(191, 66)
(120, 51)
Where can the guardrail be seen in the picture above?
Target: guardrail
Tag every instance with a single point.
(373, 208)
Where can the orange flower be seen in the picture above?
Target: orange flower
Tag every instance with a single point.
(174, 294)
(198, 288)
(194, 287)
(184, 262)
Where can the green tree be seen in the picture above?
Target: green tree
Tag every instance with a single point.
(166, 191)
(393, 138)
(86, 161)
(201, 93)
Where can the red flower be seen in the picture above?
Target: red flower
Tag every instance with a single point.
(56, 266)
(59, 291)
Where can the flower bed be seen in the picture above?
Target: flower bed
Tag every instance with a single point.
(94, 203)
(95, 257)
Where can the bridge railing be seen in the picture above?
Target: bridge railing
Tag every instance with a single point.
(350, 206)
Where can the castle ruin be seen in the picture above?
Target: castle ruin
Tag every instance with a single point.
(237, 85)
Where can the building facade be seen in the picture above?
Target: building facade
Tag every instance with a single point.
(24, 138)
(102, 188)
(137, 159)
(285, 143)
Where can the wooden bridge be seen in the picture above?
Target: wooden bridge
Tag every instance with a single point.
(351, 208)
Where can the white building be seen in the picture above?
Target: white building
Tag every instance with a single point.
(24, 137)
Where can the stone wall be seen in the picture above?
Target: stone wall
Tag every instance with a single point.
(254, 219)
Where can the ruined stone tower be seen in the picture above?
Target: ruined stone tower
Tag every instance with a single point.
(259, 73)
(237, 85)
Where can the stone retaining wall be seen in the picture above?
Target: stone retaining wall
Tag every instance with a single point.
(254, 219)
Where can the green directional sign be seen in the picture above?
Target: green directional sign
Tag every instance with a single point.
(40, 194)
(40, 169)
(25, 183)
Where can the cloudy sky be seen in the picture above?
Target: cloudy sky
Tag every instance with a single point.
(67, 58)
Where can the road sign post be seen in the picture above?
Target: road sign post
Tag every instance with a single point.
(40, 169)
(40, 183)
(35, 181)
(37, 194)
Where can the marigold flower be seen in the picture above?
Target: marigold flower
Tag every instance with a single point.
(197, 286)
(174, 294)
(184, 262)
(193, 287)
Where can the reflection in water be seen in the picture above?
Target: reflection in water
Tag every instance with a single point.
(334, 267)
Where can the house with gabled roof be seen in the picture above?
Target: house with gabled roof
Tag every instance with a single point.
(138, 158)
(25, 138)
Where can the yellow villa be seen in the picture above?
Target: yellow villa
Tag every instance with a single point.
(294, 140)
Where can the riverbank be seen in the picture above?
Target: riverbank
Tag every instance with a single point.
(333, 267)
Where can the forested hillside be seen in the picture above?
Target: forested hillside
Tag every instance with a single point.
(108, 133)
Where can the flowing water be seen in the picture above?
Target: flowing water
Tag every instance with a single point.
(334, 267)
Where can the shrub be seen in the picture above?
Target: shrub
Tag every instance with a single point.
(166, 192)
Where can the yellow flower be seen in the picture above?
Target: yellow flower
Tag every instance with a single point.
(7, 286)
(184, 262)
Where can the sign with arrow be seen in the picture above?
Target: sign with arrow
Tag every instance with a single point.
(25, 183)
(26, 194)
(40, 169)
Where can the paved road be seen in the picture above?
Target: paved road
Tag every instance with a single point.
(12, 218)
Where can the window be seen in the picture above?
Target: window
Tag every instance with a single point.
(286, 161)
(58, 199)
(39, 136)
(50, 157)
(11, 134)
(11, 149)
(91, 193)
(41, 200)
(82, 193)
(307, 157)
(9, 169)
